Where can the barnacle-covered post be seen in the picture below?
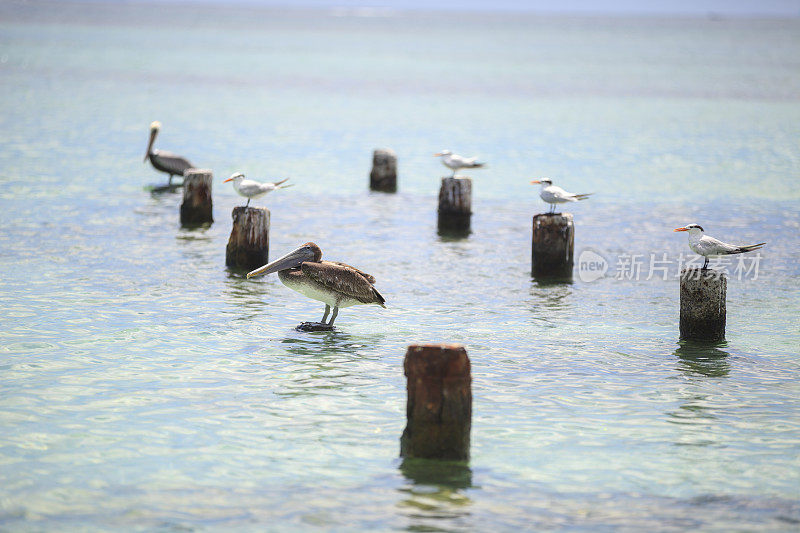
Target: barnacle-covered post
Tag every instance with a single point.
(439, 408)
(384, 171)
(703, 311)
(248, 245)
(455, 205)
(197, 206)
(552, 246)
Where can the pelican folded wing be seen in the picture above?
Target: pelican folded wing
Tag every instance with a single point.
(369, 277)
(345, 280)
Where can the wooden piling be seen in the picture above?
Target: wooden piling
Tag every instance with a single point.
(384, 171)
(248, 245)
(455, 205)
(552, 246)
(439, 408)
(196, 206)
(703, 310)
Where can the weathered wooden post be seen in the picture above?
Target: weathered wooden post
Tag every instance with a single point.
(384, 171)
(455, 205)
(196, 206)
(552, 246)
(248, 245)
(439, 408)
(703, 310)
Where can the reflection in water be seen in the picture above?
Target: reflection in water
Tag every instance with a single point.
(702, 358)
(549, 298)
(452, 234)
(322, 343)
(434, 498)
(331, 344)
(158, 190)
(322, 362)
(245, 295)
(196, 231)
(551, 282)
(696, 412)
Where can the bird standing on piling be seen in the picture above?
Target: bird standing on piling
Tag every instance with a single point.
(553, 194)
(706, 246)
(253, 189)
(335, 284)
(165, 161)
(456, 162)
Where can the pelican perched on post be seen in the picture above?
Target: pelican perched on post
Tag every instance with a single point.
(165, 161)
(253, 189)
(556, 195)
(332, 283)
(456, 162)
(710, 247)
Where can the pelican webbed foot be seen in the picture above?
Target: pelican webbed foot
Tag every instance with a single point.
(314, 326)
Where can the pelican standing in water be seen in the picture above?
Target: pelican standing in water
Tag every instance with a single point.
(252, 189)
(332, 283)
(456, 162)
(710, 247)
(556, 195)
(165, 161)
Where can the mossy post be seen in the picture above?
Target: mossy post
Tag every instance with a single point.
(455, 205)
(703, 311)
(383, 177)
(248, 245)
(439, 408)
(196, 207)
(552, 246)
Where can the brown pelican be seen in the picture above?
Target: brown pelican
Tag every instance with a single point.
(252, 189)
(335, 284)
(165, 161)
(456, 162)
(710, 247)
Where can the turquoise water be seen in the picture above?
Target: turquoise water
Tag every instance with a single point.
(145, 387)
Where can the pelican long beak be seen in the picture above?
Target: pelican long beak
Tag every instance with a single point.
(681, 229)
(291, 260)
(153, 133)
(535, 182)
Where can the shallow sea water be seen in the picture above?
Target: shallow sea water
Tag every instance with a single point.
(145, 387)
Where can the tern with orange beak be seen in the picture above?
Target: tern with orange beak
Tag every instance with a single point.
(332, 283)
(553, 194)
(710, 247)
(457, 162)
(165, 161)
(253, 189)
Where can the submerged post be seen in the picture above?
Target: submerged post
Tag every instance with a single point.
(248, 245)
(384, 171)
(455, 205)
(196, 206)
(552, 246)
(439, 408)
(703, 310)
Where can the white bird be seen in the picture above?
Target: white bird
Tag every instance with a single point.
(553, 194)
(456, 162)
(253, 189)
(710, 247)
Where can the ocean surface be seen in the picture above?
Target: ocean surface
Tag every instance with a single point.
(145, 387)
